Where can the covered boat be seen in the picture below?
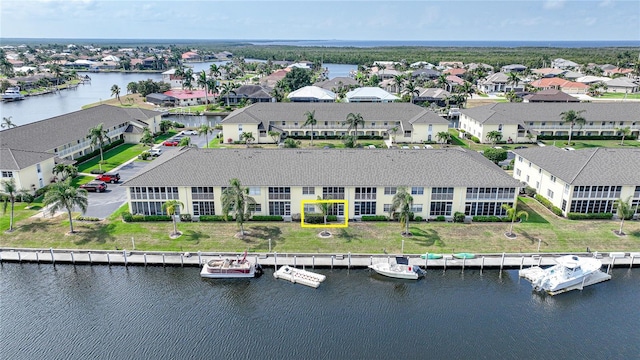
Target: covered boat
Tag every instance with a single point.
(431, 256)
(12, 94)
(299, 276)
(570, 270)
(464, 255)
(400, 270)
(225, 269)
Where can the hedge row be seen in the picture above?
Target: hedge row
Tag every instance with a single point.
(267, 218)
(128, 217)
(318, 218)
(556, 210)
(211, 218)
(489, 219)
(584, 137)
(333, 137)
(374, 218)
(581, 216)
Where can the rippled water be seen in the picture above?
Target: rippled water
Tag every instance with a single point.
(116, 312)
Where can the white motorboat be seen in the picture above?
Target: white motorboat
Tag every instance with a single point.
(12, 94)
(299, 276)
(226, 269)
(400, 270)
(570, 270)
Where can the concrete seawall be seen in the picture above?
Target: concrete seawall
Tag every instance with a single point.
(154, 258)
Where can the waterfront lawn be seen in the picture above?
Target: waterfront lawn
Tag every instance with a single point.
(612, 95)
(112, 158)
(556, 234)
(586, 144)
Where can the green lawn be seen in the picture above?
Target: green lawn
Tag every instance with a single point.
(610, 95)
(586, 144)
(112, 158)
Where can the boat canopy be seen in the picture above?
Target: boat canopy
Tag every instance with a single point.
(401, 260)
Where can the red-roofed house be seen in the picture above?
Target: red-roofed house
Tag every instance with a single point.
(189, 97)
(272, 80)
(454, 79)
(618, 70)
(566, 86)
(455, 71)
(191, 56)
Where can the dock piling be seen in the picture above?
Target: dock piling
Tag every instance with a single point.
(370, 260)
(313, 262)
(182, 260)
(145, 259)
(90, 260)
(631, 262)
(53, 258)
(502, 262)
(521, 262)
(19, 257)
(295, 260)
(275, 260)
(482, 265)
(38, 258)
(349, 265)
(73, 260)
(162, 260)
(464, 259)
(332, 258)
(200, 258)
(445, 263)
(108, 259)
(124, 255)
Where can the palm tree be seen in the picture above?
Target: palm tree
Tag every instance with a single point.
(512, 214)
(311, 120)
(229, 88)
(206, 130)
(354, 120)
(393, 131)
(442, 81)
(147, 137)
(186, 141)
(402, 201)
(324, 208)
(172, 207)
(274, 135)
(236, 200)
(399, 80)
(115, 90)
(98, 135)
(204, 82)
(7, 123)
(412, 90)
(466, 89)
(494, 136)
(9, 191)
(573, 118)
(625, 132)
(62, 195)
(624, 211)
(188, 79)
(514, 79)
(511, 96)
(248, 137)
(443, 136)
(65, 171)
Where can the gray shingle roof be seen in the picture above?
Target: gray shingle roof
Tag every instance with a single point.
(391, 112)
(45, 135)
(333, 167)
(518, 113)
(599, 166)
(11, 159)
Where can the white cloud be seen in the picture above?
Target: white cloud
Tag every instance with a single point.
(553, 4)
(605, 3)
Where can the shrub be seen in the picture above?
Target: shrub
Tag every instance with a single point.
(211, 218)
(490, 218)
(458, 217)
(185, 217)
(267, 218)
(97, 171)
(418, 218)
(475, 139)
(178, 125)
(556, 210)
(145, 155)
(440, 218)
(87, 218)
(374, 218)
(530, 191)
(581, 216)
(42, 190)
(127, 217)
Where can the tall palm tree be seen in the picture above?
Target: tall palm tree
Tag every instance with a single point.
(98, 135)
(514, 79)
(624, 211)
(494, 136)
(354, 120)
(172, 207)
(115, 90)
(443, 82)
(204, 83)
(573, 118)
(188, 79)
(399, 80)
(205, 130)
(412, 90)
(466, 89)
(65, 171)
(214, 71)
(228, 88)
(625, 132)
(311, 120)
(9, 191)
(401, 203)
(147, 137)
(236, 200)
(513, 214)
(7, 123)
(62, 195)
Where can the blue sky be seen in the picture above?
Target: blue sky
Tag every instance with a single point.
(550, 20)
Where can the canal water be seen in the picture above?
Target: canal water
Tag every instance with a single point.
(42, 107)
(105, 312)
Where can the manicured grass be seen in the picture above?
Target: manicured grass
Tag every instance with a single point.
(112, 158)
(79, 180)
(557, 235)
(585, 144)
(612, 95)
(162, 137)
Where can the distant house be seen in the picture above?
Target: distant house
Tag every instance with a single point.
(191, 56)
(621, 85)
(569, 87)
(370, 94)
(455, 71)
(335, 83)
(549, 95)
(272, 79)
(172, 79)
(548, 72)
(429, 74)
(249, 93)
(451, 64)
(189, 97)
(513, 68)
(561, 63)
(432, 95)
(499, 82)
(161, 99)
(312, 94)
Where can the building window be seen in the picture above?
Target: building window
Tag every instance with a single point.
(365, 193)
(309, 208)
(279, 193)
(203, 208)
(38, 168)
(416, 208)
(518, 172)
(441, 208)
(564, 205)
(550, 194)
(254, 191)
(386, 208)
(527, 179)
(390, 190)
(520, 158)
(442, 193)
(553, 178)
(202, 193)
(333, 193)
(256, 208)
(486, 208)
(7, 174)
(282, 208)
(364, 208)
(308, 190)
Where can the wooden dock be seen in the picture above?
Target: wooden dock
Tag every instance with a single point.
(274, 259)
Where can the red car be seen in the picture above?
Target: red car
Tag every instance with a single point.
(170, 143)
(97, 186)
(109, 177)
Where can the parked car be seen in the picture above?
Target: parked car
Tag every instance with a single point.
(171, 142)
(188, 132)
(109, 177)
(155, 152)
(96, 186)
